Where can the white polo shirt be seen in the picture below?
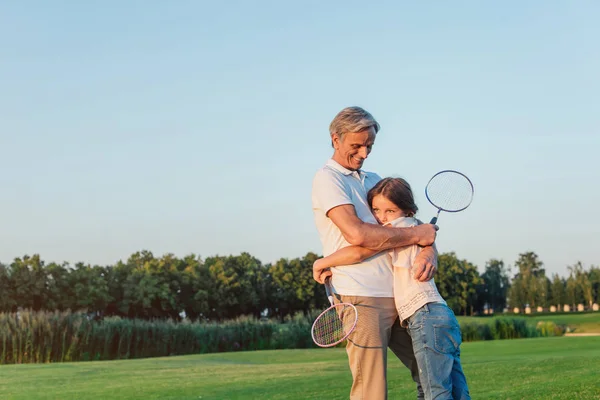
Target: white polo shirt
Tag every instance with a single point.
(334, 185)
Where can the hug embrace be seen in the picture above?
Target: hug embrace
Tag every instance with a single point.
(381, 259)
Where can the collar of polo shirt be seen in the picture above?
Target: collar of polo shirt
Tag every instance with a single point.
(335, 165)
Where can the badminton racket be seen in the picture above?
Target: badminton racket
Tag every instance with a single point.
(449, 191)
(334, 324)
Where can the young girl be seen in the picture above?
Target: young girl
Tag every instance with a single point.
(431, 323)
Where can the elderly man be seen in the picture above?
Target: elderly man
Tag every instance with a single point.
(343, 218)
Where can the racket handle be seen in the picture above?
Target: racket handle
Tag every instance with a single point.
(328, 289)
(434, 219)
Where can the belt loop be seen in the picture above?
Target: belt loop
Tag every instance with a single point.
(426, 308)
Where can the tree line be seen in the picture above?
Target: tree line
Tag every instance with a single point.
(531, 286)
(225, 287)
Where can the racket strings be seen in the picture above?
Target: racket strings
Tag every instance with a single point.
(450, 191)
(334, 324)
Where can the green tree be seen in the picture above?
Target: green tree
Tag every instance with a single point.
(558, 291)
(573, 295)
(167, 271)
(594, 277)
(581, 281)
(293, 288)
(235, 280)
(59, 291)
(544, 292)
(7, 303)
(495, 284)
(28, 278)
(90, 289)
(195, 284)
(151, 286)
(457, 281)
(529, 286)
(116, 278)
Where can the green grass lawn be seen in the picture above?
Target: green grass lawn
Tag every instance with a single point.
(546, 368)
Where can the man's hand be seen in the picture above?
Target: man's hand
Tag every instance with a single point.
(320, 272)
(425, 264)
(426, 234)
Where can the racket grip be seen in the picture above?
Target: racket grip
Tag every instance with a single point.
(328, 286)
(433, 220)
(328, 289)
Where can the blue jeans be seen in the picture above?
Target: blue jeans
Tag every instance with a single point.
(436, 342)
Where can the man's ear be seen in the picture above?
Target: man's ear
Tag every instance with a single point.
(335, 141)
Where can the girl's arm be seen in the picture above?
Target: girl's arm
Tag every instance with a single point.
(346, 256)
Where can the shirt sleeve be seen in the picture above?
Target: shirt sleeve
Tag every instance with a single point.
(403, 257)
(329, 191)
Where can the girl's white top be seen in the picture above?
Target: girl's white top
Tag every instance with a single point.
(409, 293)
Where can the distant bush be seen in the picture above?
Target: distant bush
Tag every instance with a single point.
(475, 331)
(549, 328)
(508, 328)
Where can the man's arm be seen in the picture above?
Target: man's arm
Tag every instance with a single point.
(377, 237)
(346, 256)
(425, 263)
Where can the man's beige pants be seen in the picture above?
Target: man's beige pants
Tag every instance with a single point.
(377, 329)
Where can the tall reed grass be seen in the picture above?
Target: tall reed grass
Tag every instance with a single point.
(47, 337)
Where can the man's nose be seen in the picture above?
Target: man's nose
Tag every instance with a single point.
(363, 152)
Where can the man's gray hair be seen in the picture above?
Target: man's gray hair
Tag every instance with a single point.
(352, 120)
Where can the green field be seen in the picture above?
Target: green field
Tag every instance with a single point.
(545, 368)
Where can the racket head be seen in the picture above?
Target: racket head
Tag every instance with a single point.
(334, 325)
(450, 191)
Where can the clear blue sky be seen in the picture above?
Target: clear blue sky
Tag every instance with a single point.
(196, 127)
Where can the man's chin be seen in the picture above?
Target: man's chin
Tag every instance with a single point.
(357, 165)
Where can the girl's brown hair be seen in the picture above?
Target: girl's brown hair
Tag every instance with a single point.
(396, 190)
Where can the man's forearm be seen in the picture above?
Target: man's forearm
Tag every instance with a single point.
(377, 237)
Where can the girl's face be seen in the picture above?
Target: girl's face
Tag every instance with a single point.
(384, 210)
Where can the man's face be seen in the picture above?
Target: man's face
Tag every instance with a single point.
(353, 148)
